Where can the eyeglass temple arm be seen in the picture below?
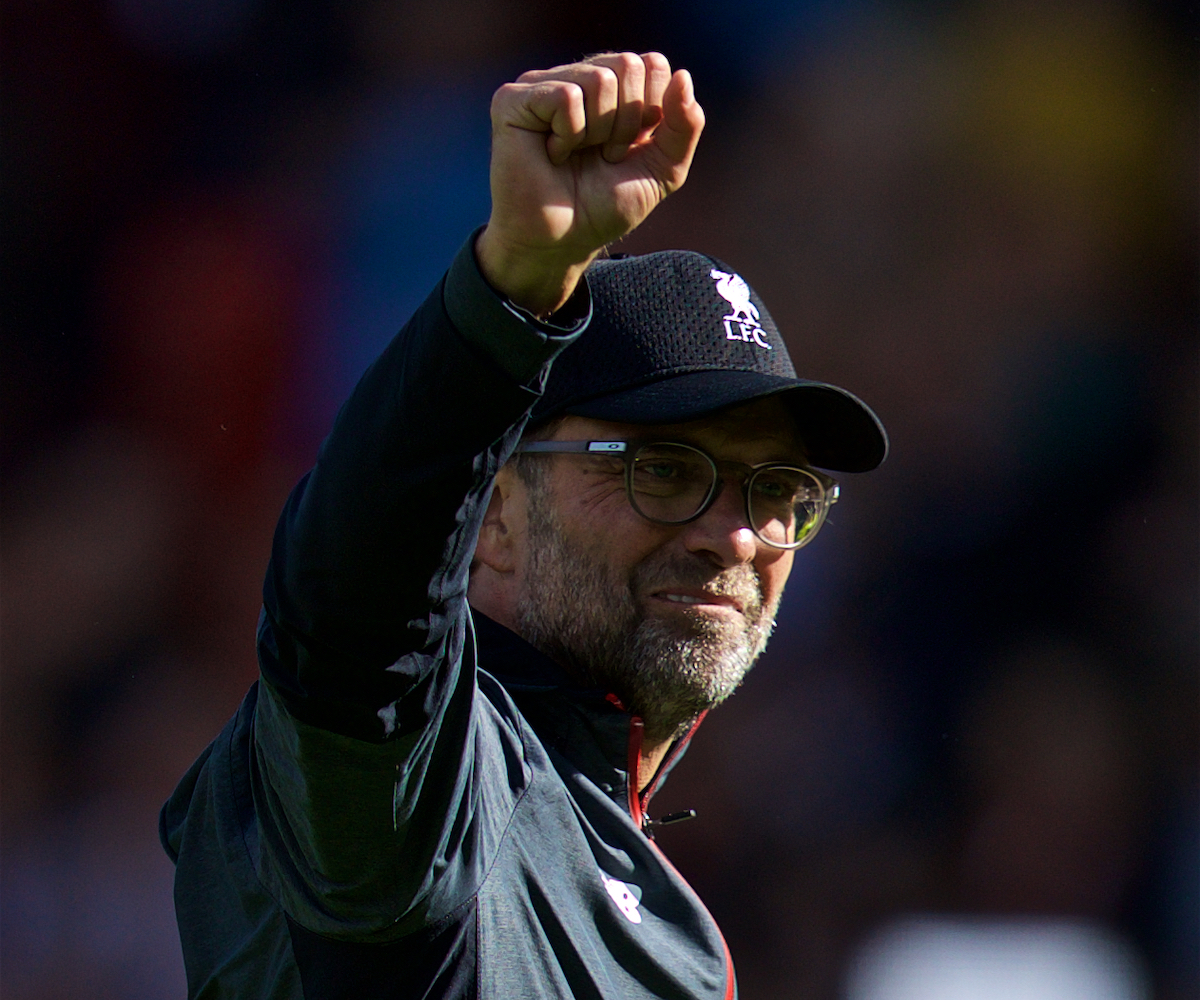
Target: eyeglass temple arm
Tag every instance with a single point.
(566, 447)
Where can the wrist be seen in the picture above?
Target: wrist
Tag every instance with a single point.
(540, 281)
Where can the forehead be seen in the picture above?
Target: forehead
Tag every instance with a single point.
(760, 431)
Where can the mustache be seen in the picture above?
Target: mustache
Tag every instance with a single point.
(739, 582)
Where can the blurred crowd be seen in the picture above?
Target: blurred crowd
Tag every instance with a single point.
(981, 703)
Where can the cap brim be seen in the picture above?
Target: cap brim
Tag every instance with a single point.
(839, 430)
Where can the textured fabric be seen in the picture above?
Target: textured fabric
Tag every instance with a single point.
(676, 335)
(412, 802)
(663, 314)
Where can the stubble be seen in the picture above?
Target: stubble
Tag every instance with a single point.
(668, 669)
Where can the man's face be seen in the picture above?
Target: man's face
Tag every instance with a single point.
(670, 618)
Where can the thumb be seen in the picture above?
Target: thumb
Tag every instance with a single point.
(679, 131)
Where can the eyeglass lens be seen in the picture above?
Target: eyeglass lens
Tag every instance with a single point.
(671, 483)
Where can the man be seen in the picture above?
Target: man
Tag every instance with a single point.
(548, 531)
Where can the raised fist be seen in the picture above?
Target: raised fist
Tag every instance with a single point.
(581, 154)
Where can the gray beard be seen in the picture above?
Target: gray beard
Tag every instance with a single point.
(583, 615)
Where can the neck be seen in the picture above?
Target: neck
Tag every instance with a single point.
(652, 758)
(484, 599)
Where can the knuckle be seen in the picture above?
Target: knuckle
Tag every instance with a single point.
(505, 94)
(629, 62)
(603, 74)
(602, 84)
(564, 92)
(574, 103)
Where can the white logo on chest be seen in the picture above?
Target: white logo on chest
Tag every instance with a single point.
(623, 896)
(742, 323)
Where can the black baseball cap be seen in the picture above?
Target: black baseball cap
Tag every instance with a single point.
(677, 335)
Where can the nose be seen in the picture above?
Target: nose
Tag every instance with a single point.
(722, 533)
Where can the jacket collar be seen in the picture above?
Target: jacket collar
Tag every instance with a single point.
(584, 724)
(576, 721)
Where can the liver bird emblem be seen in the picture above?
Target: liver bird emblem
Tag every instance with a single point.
(734, 290)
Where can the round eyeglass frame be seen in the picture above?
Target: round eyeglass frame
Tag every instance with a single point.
(628, 452)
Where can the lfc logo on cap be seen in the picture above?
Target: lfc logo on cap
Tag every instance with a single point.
(742, 323)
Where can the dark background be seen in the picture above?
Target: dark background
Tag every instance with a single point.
(980, 217)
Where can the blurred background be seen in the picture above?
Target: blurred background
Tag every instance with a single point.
(976, 731)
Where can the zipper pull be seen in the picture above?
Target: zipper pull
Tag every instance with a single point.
(670, 819)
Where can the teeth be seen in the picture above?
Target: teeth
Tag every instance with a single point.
(682, 599)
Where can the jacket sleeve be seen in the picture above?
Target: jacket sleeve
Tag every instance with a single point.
(379, 779)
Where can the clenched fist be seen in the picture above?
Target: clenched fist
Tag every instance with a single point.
(581, 154)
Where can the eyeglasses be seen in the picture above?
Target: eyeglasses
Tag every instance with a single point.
(672, 483)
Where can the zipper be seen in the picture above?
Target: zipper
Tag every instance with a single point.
(638, 802)
(637, 809)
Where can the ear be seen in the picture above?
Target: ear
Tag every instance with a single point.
(496, 548)
(496, 570)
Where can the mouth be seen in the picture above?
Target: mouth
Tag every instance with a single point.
(698, 600)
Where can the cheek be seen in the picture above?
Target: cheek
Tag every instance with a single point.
(596, 498)
(773, 570)
(601, 524)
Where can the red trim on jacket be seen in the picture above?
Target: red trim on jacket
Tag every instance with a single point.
(730, 978)
(639, 801)
(633, 764)
(676, 750)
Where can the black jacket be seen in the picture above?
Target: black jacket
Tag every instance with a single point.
(413, 802)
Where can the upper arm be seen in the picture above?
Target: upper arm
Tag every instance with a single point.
(372, 552)
(366, 841)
